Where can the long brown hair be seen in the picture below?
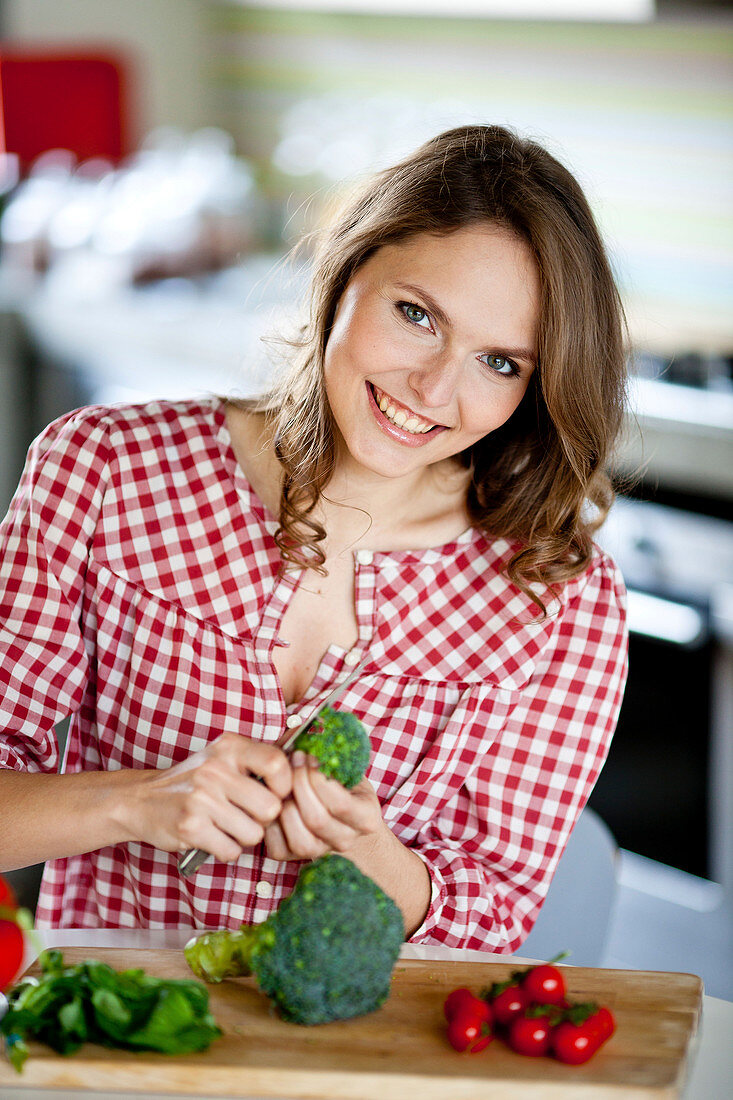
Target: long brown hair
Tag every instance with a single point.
(540, 479)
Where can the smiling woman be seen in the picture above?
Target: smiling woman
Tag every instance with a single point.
(416, 498)
(440, 366)
(492, 251)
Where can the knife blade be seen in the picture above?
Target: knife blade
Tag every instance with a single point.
(289, 738)
(191, 860)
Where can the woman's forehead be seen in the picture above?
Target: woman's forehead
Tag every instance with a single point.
(482, 280)
(477, 245)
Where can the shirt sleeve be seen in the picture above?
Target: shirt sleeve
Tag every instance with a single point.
(493, 846)
(44, 549)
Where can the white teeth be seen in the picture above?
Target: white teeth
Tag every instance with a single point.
(401, 418)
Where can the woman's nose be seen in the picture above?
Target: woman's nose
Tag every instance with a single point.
(435, 382)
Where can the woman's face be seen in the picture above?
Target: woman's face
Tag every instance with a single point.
(432, 347)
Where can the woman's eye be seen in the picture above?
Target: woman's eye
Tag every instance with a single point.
(500, 364)
(415, 314)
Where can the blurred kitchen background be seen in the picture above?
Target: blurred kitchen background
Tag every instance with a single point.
(160, 158)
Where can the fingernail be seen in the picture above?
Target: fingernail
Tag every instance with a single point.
(298, 758)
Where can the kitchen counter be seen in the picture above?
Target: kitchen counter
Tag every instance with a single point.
(711, 1074)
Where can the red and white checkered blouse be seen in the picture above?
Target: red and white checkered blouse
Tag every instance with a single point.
(141, 592)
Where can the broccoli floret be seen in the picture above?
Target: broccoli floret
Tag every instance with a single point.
(341, 744)
(327, 953)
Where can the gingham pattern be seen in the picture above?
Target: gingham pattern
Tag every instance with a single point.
(140, 590)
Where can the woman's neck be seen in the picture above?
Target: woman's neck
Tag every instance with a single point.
(362, 508)
(359, 508)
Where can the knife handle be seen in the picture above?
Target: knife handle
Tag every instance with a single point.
(191, 860)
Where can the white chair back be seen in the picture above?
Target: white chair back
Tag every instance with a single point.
(576, 914)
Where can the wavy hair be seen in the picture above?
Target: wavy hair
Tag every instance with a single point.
(540, 479)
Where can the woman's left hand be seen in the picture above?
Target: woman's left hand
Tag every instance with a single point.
(321, 815)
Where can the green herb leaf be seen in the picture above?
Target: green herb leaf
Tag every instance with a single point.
(92, 1002)
(111, 1015)
(72, 1019)
(17, 1051)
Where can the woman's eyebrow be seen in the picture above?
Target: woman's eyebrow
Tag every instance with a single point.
(440, 315)
(526, 354)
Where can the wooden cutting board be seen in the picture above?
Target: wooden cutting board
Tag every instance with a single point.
(399, 1051)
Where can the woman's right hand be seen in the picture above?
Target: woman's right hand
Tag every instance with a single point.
(213, 800)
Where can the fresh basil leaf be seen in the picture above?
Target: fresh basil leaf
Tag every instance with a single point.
(110, 1014)
(72, 1019)
(95, 1003)
(172, 1026)
(16, 1050)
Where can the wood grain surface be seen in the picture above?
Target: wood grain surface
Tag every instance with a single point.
(396, 1052)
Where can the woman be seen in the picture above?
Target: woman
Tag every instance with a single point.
(190, 579)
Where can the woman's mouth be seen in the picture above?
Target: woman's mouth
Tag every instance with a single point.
(400, 415)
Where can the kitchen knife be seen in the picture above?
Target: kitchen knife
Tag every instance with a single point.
(289, 738)
(191, 860)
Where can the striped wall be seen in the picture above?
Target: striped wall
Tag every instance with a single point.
(642, 113)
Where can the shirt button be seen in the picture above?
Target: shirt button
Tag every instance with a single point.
(351, 658)
(292, 721)
(364, 557)
(263, 889)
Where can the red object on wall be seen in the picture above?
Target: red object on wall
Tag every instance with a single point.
(55, 100)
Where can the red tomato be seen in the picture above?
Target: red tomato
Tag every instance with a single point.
(468, 1030)
(574, 1043)
(530, 1035)
(11, 952)
(601, 1023)
(576, 1039)
(545, 985)
(7, 897)
(509, 1004)
(463, 1000)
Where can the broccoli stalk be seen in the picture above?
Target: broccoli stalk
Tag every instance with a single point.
(327, 953)
(340, 743)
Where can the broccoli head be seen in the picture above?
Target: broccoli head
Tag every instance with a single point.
(327, 952)
(340, 743)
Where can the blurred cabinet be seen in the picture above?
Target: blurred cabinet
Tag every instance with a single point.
(52, 98)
